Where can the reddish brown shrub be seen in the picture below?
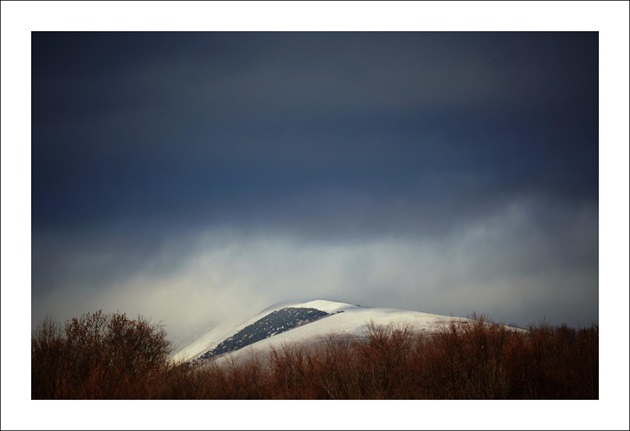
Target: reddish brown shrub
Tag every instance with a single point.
(98, 356)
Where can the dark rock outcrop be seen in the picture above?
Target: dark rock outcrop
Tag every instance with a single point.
(274, 323)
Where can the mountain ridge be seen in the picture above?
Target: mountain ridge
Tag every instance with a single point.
(338, 319)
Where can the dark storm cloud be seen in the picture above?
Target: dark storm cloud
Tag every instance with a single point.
(144, 124)
(143, 142)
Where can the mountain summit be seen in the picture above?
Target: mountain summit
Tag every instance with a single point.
(306, 323)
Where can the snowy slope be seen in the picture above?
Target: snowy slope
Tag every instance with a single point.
(343, 320)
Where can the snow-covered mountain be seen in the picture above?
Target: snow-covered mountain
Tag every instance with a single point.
(306, 323)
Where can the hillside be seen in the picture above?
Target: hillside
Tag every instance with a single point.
(305, 323)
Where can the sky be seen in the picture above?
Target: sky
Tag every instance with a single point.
(199, 177)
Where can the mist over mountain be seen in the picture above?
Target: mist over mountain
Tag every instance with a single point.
(306, 323)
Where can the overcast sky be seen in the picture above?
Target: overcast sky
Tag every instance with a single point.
(195, 178)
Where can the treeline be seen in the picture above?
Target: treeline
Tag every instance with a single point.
(113, 357)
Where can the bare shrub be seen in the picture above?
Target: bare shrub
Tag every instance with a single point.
(97, 356)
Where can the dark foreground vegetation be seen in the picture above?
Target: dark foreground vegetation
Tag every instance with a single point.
(101, 356)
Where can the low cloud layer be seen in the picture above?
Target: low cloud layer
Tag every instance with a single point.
(511, 265)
